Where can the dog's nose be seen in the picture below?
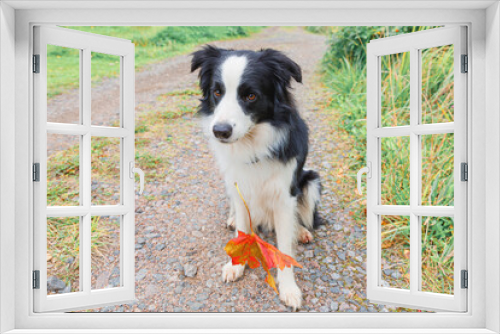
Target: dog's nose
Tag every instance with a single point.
(223, 130)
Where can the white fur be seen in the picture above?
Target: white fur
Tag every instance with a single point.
(265, 186)
(263, 181)
(229, 110)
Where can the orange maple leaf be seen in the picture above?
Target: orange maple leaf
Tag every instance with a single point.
(251, 249)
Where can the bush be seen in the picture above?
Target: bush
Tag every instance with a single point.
(350, 42)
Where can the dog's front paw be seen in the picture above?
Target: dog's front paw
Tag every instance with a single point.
(231, 273)
(231, 223)
(291, 295)
(304, 235)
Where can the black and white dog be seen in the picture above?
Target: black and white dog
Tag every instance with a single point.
(261, 142)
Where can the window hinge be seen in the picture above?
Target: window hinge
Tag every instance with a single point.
(36, 172)
(465, 279)
(465, 64)
(464, 173)
(36, 63)
(36, 279)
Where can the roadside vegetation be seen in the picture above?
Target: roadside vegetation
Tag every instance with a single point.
(344, 75)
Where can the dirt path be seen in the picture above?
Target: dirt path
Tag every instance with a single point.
(180, 221)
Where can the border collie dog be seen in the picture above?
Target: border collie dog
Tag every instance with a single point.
(261, 142)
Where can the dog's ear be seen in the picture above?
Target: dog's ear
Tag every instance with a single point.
(204, 57)
(284, 68)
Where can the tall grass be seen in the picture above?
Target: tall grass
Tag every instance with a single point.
(344, 67)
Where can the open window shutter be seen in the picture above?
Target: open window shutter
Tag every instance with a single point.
(83, 242)
(417, 228)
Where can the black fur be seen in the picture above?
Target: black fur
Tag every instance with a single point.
(269, 74)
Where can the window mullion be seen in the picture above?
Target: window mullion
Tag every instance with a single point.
(414, 172)
(85, 228)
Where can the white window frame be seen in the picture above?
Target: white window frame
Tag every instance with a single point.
(85, 43)
(483, 21)
(413, 44)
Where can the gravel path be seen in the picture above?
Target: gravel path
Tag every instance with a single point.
(180, 220)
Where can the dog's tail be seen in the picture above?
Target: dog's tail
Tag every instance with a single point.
(308, 200)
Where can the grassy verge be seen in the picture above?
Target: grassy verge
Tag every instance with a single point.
(344, 74)
(152, 45)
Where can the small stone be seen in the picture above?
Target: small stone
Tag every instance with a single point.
(141, 241)
(178, 290)
(324, 309)
(55, 284)
(190, 270)
(160, 247)
(197, 234)
(396, 275)
(67, 289)
(254, 277)
(341, 255)
(337, 227)
(141, 274)
(309, 253)
(196, 306)
(201, 297)
(334, 306)
(314, 301)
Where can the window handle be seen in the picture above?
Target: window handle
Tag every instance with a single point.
(368, 171)
(132, 171)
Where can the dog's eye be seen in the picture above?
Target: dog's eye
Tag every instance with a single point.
(217, 93)
(251, 97)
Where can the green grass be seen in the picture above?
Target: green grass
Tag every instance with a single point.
(344, 75)
(152, 45)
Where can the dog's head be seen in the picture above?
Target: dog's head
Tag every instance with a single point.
(243, 88)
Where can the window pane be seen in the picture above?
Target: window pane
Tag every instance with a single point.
(437, 255)
(63, 255)
(437, 169)
(395, 170)
(395, 234)
(105, 252)
(63, 76)
(106, 95)
(437, 84)
(395, 89)
(63, 169)
(105, 171)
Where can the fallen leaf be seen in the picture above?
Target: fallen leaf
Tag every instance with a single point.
(252, 250)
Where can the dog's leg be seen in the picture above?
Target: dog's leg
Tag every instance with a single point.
(231, 273)
(231, 220)
(285, 224)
